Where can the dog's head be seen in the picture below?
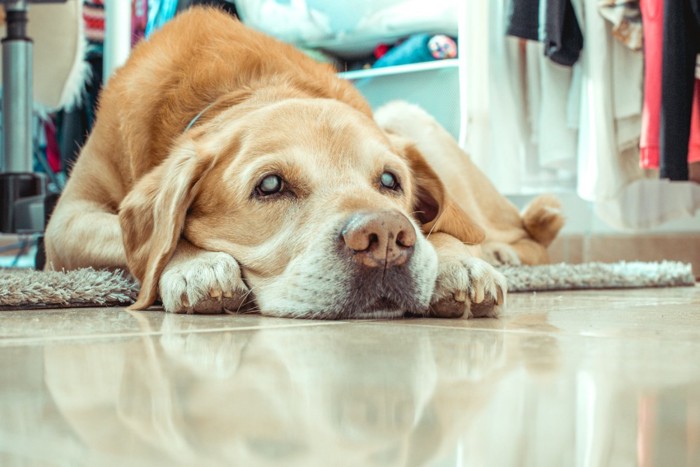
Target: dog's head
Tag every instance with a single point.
(326, 214)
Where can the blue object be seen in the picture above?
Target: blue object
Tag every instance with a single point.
(413, 50)
(159, 13)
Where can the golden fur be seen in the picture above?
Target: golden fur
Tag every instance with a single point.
(177, 206)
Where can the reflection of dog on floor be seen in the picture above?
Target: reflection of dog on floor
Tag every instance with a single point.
(309, 395)
(226, 165)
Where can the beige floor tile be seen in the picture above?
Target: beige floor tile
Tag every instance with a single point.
(600, 378)
(672, 313)
(81, 323)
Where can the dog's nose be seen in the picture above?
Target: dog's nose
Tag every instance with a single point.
(379, 239)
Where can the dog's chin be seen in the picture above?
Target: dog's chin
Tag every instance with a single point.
(381, 308)
(384, 308)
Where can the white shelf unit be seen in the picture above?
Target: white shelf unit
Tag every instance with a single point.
(399, 69)
(435, 86)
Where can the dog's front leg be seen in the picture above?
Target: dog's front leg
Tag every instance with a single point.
(467, 286)
(200, 281)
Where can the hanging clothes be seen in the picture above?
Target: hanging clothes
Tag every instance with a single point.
(626, 18)
(524, 19)
(53, 153)
(552, 22)
(681, 44)
(517, 130)
(561, 32)
(548, 87)
(94, 20)
(653, 21)
(610, 109)
(652, 18)
(694, 144)
(497, 133)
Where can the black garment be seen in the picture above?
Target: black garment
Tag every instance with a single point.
(681, 44)
(524, 19)
(563, 39)
(75, 124)
(227, 5)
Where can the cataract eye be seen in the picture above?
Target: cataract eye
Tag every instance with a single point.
(270, 185)
(388, 180)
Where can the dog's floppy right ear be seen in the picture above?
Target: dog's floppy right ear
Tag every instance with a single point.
(152, 216)
(433, 206)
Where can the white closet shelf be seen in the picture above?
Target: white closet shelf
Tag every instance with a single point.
(400, 69)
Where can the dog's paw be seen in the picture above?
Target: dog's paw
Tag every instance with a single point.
(500, 254)
(209, 282)
(468, 287)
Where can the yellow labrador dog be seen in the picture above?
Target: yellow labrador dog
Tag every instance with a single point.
(225, 165)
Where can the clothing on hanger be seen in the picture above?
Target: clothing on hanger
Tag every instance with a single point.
(562, 36)
(524, 19)
(610, 106)
(681, 44)
(552, 22)
(653, 21)
(94, 20)
(626, 18)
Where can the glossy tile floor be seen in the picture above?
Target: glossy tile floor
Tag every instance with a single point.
(594, 378)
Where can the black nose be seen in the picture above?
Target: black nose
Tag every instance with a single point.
(381, 239)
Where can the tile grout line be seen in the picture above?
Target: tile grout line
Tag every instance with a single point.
(9, 341)
(522, 331)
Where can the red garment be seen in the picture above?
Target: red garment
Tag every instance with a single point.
(694, 148)
(653, 21)
(53, 153)
(94, 19)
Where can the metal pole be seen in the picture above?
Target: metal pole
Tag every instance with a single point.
(17, 93)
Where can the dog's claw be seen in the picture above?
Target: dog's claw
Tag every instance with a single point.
(479, 295)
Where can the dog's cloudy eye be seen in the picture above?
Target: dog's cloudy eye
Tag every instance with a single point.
(388, 180)
(270, 185)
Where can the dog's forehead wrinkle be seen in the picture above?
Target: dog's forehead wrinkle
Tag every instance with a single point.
(313, 122)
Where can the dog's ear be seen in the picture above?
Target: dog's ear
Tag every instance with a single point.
(152, 216)
(433, 206)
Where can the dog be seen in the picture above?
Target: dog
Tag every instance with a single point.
(226, 167)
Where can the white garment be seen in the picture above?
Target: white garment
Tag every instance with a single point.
(610, 113)
(497, 131)
(648, 203)
(556, 141)
(518, 130)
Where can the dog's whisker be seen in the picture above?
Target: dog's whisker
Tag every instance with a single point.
(244, 299)
(431, 231)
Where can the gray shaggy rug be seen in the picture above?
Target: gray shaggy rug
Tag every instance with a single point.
(21, 288)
